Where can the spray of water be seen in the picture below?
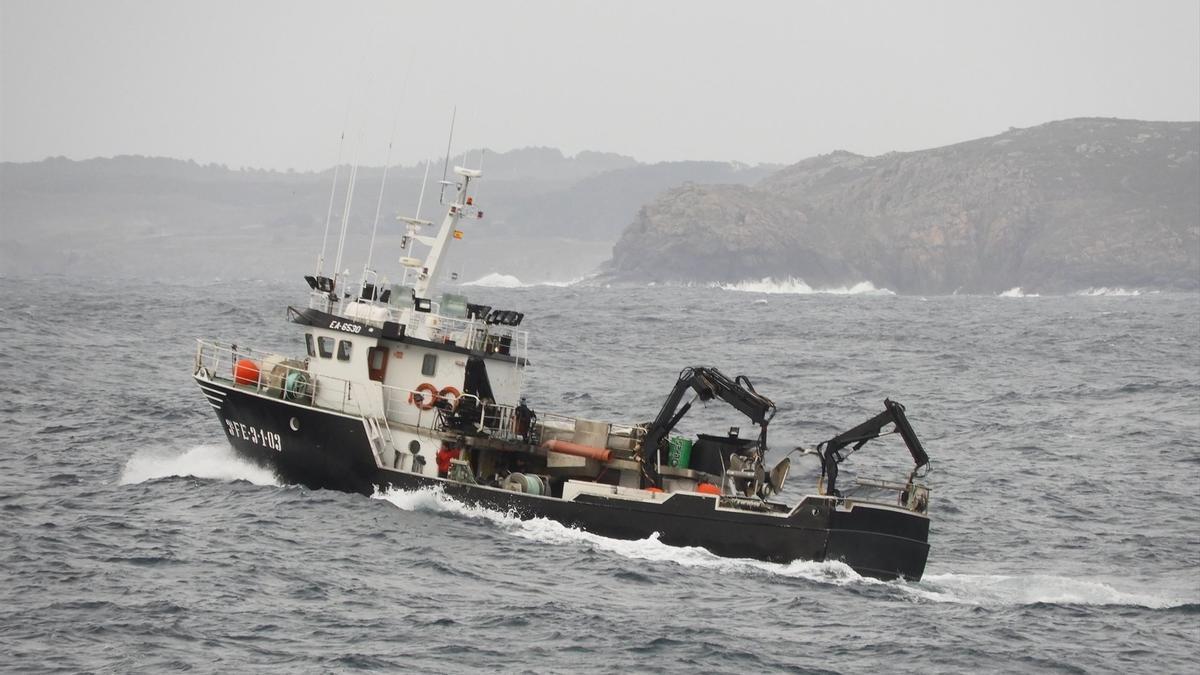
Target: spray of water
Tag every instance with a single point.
(218, 462)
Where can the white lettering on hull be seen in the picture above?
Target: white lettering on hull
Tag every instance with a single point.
(246, 432)
(345, 327)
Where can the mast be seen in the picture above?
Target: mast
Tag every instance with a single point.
(362, 284)
(446, 163)
(337, 265)
(425, 280)
(332, 192)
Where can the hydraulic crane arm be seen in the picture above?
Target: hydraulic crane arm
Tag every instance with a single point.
(893, 413)
(708, 383)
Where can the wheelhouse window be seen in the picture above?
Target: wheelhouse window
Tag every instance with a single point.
(310, 344)
(344, 350)
(325, 347)
(429, 365)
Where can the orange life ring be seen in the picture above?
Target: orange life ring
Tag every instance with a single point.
(426, 401)
(452, 392)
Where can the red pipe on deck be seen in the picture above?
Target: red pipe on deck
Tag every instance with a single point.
(569, 448)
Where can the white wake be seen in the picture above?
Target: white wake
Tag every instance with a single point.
(217, 461)
(968, 589)
(998, 589)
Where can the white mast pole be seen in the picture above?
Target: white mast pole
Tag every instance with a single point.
(446, 164)
(378, 208)
(337, 266)
(421, 197)
(383, 181)
(333, 191)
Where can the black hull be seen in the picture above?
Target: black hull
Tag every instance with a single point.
(328, 450)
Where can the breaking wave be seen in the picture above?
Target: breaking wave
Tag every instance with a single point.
(966, 589)
(216, 461)
(1105, 291)
(497, 280)
(796, 286)
(1016, 292)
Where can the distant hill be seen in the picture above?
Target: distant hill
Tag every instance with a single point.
(1058, 207)
(546, 215)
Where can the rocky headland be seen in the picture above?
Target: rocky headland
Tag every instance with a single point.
(1060, 207)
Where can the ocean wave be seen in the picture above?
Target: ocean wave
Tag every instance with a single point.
(797, 286)
(1105, 291)
(1016, 292)
(215, 461)
(497, 280)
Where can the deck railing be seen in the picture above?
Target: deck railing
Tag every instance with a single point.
(399, 405)
(474, 334)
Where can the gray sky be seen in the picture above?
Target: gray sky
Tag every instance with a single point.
(268, 84)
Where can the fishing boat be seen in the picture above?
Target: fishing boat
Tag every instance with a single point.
(403, 386)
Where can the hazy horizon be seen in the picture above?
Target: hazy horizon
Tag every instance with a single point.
(271, 85)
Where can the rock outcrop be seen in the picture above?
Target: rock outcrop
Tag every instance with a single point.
(1059, 207)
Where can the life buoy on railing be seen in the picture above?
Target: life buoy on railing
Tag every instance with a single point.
(425, 397)
(447, 392)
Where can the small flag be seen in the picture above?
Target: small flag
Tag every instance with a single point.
(458, 234)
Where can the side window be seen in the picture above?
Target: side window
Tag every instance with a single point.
(344, 350)
(377, 363)
(325, 346)
(429, 365)
(308, 342)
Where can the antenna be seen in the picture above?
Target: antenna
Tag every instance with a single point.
(383, 181)
(378, 207)
(421, 197)
(482, 152)
(333, 190)
(446, 165)
(337, 265)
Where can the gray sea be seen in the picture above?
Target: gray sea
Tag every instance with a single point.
(1064, 432)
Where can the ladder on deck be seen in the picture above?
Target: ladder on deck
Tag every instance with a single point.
(379, 433)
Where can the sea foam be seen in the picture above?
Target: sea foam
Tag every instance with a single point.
(1113, 292)
(214, 461)
(797, 286)
(497, 280)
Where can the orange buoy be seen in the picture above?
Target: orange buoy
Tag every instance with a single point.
(708, 489)
(245, 372)
(450, 393)
(654, 489)
(425, 396)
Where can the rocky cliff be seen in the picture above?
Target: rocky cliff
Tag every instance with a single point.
(1059, 207)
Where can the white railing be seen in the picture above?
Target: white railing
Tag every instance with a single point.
(399, 405)
(219, 362)
(474, 334)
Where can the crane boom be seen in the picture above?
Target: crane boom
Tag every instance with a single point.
(708, 383)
